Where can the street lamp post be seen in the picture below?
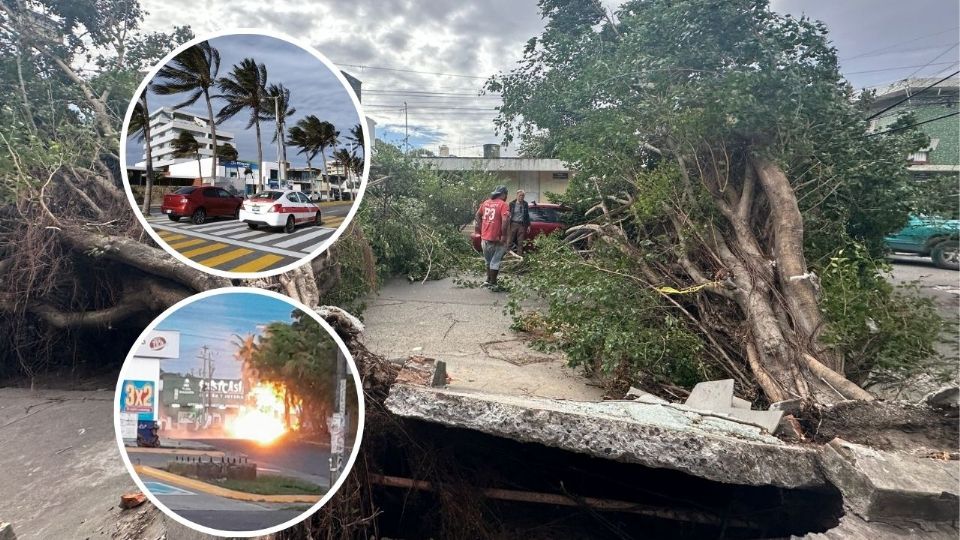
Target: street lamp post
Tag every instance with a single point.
(281, 166)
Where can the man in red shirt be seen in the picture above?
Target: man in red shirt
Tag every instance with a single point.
(492, 220)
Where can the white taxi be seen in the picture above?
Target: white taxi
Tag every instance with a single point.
(279, 208)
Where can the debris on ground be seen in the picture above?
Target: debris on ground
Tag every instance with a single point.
(132, 500)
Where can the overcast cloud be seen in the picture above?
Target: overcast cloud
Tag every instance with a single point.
(461, 44)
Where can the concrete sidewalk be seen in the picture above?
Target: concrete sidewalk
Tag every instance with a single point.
(468, 330)
(62, 473)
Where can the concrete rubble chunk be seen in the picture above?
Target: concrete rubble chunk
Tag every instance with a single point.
(644, 397)
(878, 485)
(653, 435)
(423, 371)
(946, 398)
(852, 527)
(717, 396)
(6, 531)
(132, 500)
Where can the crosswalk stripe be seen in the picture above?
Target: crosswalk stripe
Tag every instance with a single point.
(257, 264)
(247, 234)
(301, 238)
(225, 257)
(169, 239)
(215, 226)
(203, 250)
(187, 243)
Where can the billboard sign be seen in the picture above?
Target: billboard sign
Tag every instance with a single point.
(139, 397)
(187, 391)
(159, 344)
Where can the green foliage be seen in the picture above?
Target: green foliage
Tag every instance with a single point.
(273, 484)
(884, 333)
(605, 320)
(301, 355)
(413, 215)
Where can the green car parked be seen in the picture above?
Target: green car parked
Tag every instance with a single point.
(936, 238)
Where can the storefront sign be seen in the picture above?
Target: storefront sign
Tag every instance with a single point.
(138, 397)
(160, 344)
(187, 391)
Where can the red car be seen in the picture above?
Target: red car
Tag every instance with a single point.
(199, 203)
(545, 218)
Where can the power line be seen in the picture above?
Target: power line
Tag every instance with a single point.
(935, 59)
(912, 125)
(921, 66)
(909, 96)
(901, 43)
(359, 66)
(429, 93)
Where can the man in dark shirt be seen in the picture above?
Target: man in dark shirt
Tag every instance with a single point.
(519, 222)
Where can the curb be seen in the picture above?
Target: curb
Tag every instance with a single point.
(218, 491)
(174, 451)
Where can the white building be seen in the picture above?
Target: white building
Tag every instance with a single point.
(167, 124)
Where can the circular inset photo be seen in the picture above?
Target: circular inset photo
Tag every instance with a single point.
(238, 412)
(245, 154)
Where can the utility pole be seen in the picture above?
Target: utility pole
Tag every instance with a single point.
(406, 130)
(281, 172)
(207, 375)
(339, 422)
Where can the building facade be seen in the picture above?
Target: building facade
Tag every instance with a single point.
(536, 176)
(932, 107)
(166, 124)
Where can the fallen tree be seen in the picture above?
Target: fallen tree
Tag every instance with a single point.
(722, 167)
(80, 278)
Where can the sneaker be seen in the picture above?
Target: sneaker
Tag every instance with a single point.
(485, 285)
(496, 287)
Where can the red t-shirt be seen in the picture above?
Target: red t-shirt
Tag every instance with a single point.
(493, 212)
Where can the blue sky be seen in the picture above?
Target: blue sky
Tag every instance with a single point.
(213, 321)
(313, 90)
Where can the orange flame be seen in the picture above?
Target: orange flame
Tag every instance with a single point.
(262, 420)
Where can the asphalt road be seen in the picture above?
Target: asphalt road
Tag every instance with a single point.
(229, 245)
(304, 460)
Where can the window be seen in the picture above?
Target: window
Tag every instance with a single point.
(292, 197)
(223, 193)
(561, 176)
(212, 193)
(272, 195)
(185, 190)
(544, 215)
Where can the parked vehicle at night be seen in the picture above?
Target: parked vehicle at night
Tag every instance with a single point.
(545, 218)
(932, 237)
(279, 208)
(200, 202)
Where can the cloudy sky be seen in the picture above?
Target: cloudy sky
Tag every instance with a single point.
(314, 89)
(436, 54)
(213, 321)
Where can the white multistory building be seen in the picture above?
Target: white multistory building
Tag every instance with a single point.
(166, 124)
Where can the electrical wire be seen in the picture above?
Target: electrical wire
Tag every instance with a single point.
(910, 96)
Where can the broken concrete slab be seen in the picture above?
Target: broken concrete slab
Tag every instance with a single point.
(717, 396)
(653, 435)
(852, 527)
(946, 398)
(878, 485)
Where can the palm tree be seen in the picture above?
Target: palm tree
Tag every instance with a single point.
(227, 152)
(185, 145)
(345, 159)
(140, 128)
(356, 137)
(245, 88)
(314, 136)
(299, 138)
(279, 105)
(195, 71)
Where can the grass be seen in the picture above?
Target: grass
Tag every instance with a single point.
(273, 485)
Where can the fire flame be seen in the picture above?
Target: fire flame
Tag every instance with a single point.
(262, 419)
